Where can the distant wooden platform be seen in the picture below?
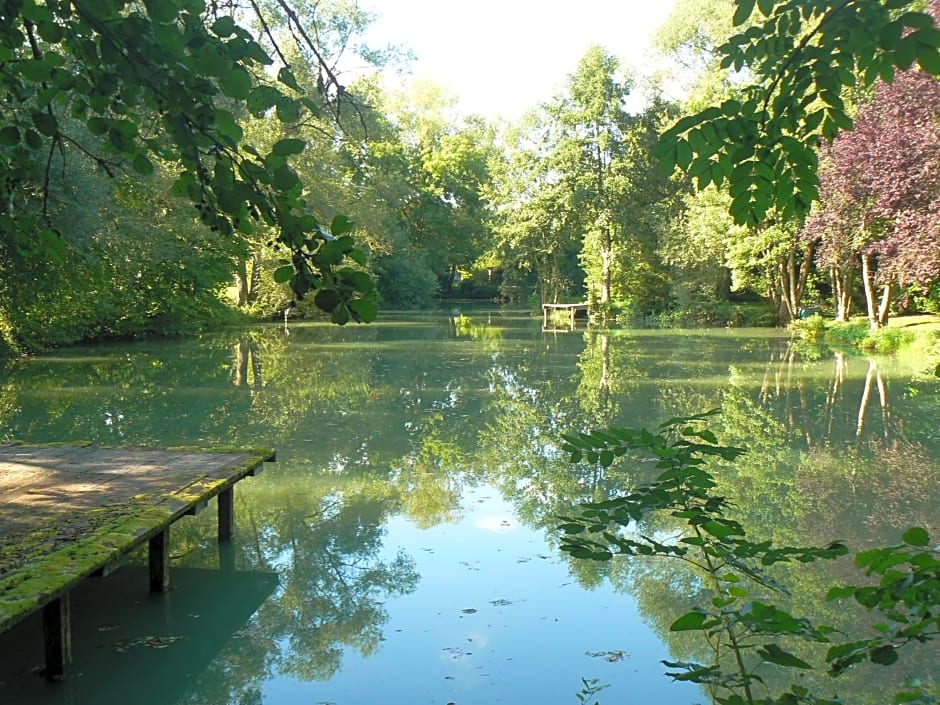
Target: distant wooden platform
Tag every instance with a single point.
(71, 511)
(572, 308)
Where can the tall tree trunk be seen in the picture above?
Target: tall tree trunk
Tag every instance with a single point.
(241, 282)
(241, 363)
(606, 264)
(723, 285)
(255, 277)
(773, 292)
(544, 281)
(877, 311)
(885, 305)
(793, 274)
(604, 382)
(874, 375)
(843, 280)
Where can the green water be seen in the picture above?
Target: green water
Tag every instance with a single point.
(403, 549)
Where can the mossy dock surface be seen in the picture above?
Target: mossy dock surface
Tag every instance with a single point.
(72, 510)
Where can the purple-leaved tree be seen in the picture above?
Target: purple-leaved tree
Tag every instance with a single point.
(879, 210)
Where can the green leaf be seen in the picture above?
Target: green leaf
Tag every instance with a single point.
(916, 536)
(98, 125)
(283, 274)
(261, 99)
(236, 83)
(285, 178)
(719, 530)
(286, 76)
(929, 60)
(691, 621)
(774, 654)
(839, 593)
(223, 27)
(142, 165)
(340, 316)
(288, 146)
(359, 280)
(51, 32)
(45, 123)
(884, 655)
(161, 11)
(36, 70)
(227, 126)
(743, 12)
(359, 257)
(288, 110)
(9, 136)
(326, 300)
(341, 225)
(366, 309)
(255, 51)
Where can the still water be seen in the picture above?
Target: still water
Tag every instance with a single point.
(403, 548)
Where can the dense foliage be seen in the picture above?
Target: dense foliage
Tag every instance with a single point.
(879, 210)
(166, 165)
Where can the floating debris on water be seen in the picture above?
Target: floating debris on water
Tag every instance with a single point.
(609, 656)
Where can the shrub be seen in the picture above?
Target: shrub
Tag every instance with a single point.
(849, 333)
(887, 340)
(812, 329)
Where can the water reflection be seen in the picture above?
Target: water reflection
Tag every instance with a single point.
(420, 475)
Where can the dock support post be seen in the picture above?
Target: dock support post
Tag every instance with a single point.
(160, 561)
(57, 634)
(226, 514)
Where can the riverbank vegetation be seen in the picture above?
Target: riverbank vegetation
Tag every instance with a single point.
(263, 174)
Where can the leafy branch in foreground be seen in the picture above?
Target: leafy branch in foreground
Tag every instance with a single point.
(744, 628)
(798, 59)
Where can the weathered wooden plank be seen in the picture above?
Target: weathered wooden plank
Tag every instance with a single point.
(69, 511)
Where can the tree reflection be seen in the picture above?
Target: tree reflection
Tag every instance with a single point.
(324, 538)
(874, 373)
(247, 357)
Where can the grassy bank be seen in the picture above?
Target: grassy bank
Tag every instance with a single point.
(917, 335)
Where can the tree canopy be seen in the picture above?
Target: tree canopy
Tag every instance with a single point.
(797, 61)
(166, 84)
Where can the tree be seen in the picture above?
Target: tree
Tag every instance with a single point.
(164, 85)
(800, 59)
(534, 220)
(879, 212)
(593, 119)
(599, 157)
(689, 39)
(697, 245)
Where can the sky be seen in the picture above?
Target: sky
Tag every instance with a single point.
(502, 57)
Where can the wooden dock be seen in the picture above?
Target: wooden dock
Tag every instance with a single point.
(573, 309)
(68, 512)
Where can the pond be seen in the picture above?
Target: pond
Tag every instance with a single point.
(404, 547)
